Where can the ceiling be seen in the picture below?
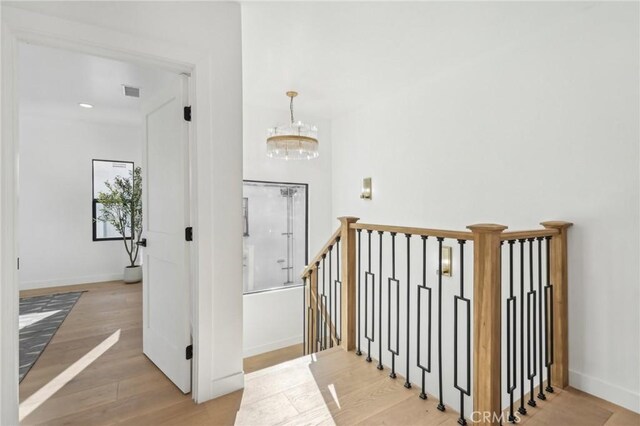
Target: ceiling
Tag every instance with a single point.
(53, 82)
(340, 55)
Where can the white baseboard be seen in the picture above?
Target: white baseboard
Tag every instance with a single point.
(226, 385)
(30, 285)
(272, 346)
(612, 393)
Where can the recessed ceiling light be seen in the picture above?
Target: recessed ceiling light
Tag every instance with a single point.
(83, 105)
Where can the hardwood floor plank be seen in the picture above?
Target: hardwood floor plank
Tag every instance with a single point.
(268, 411)
(332, 387)
(272, 358)
(223, 410)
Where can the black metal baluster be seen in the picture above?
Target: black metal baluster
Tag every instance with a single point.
(407, 383)
(531, 328)
(309, 329)
(379, 366)
(304, 316)
(337, 307)
(548, 307)
(324, 305)
(372, 337)
(318, 338)
(397, 283)
(330, 299)
(511, 337)
(467, 389)
(541, 394)
(441, 403)
(423, 287)
(358, 351)
(522, 410)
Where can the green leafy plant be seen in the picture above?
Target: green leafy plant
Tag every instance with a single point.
(122, 208)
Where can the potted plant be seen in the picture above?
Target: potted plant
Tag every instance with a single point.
(122, 208)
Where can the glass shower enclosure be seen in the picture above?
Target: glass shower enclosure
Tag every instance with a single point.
(275, 225)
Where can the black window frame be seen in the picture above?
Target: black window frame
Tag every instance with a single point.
(306, 230)
(94, 201)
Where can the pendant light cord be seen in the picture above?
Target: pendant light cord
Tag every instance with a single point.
(291, 109)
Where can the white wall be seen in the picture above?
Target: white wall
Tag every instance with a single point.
(274, 319)
(55, 216)
(206, 38)
(544, 129)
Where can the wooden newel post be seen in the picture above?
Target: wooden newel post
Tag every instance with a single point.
(348, 270)
(486, 322)
(559, 279)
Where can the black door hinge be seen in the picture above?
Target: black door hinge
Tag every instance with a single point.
(189, 352)
(18, 263)
(188, 233)
(187, 113)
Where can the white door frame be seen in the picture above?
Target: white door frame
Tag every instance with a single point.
(28, 27)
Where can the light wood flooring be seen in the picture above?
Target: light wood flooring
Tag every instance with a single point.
(333, 387)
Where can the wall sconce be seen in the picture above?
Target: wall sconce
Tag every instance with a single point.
(365, 194)
(446, 269)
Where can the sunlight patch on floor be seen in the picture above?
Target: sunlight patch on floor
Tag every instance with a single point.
(29, 319)
(287, 394)
(47, 391)
(334, 394)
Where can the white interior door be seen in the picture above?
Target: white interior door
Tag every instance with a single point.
(166, 288)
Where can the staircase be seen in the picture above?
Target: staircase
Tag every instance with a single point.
(332, 387)
(335, 387)
(423, 303)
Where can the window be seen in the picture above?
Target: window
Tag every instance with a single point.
(106, 171)
(275, 251)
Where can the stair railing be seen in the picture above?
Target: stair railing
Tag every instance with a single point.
(344, 298)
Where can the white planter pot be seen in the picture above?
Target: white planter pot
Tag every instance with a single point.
(133, 274)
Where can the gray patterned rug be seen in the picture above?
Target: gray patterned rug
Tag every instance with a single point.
(40, 318)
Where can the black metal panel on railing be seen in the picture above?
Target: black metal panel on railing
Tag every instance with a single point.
(427, 291)
(395, 350)
(323, 303)
(304, 315)
(522, 410)
(358, 350)
(337, 291)
(464, 390)
(318, 340)
(511, 337)
(548, 307)
(531, 329)
(379, 366)
(407, 383)
(330, 296)
(369, 289)
(527, 317)
(440, 392)
(535, 324)
(541, 394)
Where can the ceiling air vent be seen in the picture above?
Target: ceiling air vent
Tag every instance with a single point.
(133, 92)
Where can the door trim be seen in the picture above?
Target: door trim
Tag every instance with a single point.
(54, 32)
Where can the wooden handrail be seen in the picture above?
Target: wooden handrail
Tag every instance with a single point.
(535, 233)
(441, 233)
(323, 252)
(487, 298)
